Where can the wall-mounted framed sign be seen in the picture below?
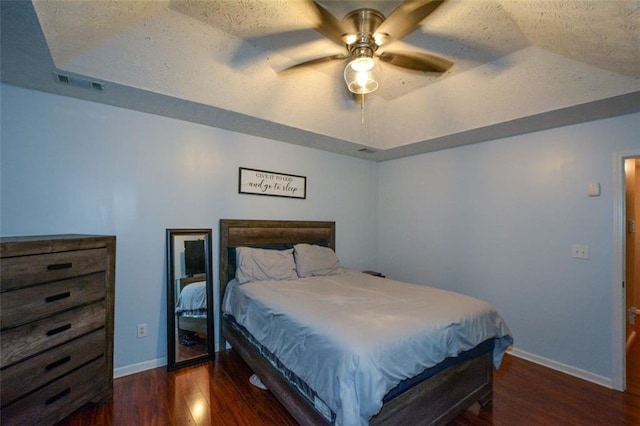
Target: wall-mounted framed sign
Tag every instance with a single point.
(262, 182)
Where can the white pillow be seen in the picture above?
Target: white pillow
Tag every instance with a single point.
(254, 264)
(312, 260)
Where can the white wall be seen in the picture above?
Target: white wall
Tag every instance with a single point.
(496, 220)
(70, 166)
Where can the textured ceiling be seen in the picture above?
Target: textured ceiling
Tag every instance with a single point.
(520, 66)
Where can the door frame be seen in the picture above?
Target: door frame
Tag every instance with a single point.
(619, 269)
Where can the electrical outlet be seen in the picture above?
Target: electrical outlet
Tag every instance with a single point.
(142, 330)
(580, 251)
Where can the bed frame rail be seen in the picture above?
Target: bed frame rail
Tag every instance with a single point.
(296, 404)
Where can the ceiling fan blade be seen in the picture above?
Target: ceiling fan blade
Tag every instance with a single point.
(417, 61)
(407, 17)
(326, 24)
(312, 63)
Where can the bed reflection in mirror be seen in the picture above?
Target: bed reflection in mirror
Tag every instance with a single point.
(189, 297)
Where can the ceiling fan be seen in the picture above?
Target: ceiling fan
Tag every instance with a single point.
(365, 33)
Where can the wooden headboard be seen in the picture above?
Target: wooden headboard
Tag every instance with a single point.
(190, 280)
(256, 233)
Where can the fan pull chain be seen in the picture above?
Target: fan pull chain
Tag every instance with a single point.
(362, 109)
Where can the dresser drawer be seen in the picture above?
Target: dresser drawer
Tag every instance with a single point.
(60, 398)
(31, 303)
(50, 365)
(21, 342)
(23, 271)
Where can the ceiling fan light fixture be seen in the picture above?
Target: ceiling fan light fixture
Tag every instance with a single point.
(380, 38)
(350, 39)
(361, 73)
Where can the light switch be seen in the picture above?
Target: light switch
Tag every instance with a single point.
(594, 190)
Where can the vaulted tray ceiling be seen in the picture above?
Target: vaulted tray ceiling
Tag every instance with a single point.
(520, 65)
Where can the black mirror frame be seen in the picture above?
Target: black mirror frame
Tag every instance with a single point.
(172, 364)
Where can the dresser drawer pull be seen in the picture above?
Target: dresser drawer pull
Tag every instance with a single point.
(58, 363)
(56, 397)
(59, 330)
(56, 266)
(59, 296)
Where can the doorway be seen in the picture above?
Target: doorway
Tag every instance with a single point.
(619, 283)
(632, 274)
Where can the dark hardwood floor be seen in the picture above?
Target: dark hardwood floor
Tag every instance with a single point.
(194, 348)
(219, 393)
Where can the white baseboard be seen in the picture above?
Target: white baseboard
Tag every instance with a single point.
(564, 368)
(139, 367)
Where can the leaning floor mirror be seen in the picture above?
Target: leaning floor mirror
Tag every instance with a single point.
(189, 297)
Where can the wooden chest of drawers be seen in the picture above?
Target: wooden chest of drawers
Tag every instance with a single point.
(56, 325)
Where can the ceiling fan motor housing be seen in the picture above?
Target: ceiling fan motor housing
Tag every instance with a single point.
(362, 25)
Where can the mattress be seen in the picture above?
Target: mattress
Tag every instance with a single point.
(352, 338)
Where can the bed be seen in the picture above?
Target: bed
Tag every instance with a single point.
(435, 394)
(191, 310)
